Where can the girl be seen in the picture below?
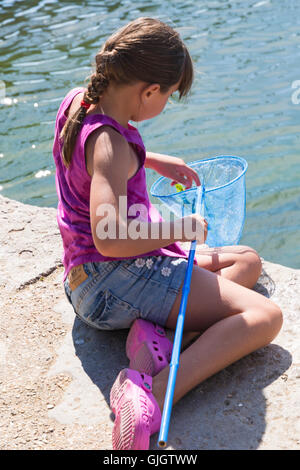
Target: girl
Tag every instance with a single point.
(124, 281)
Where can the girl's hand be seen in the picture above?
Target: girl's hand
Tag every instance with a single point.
(198, 228)
(175, 169)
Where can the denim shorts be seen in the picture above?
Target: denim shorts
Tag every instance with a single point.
(117, 292)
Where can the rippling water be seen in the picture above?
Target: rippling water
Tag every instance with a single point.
(246, 55)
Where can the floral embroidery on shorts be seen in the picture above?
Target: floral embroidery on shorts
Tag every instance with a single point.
(140, 262)
(166, 271)
(149, 263)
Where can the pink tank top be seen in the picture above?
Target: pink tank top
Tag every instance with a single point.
(73, 190)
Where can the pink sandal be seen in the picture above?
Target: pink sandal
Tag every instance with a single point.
(147, 347)
(136, 410)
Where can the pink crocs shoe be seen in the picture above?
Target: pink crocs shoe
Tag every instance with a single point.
(136, 410)
(147, 347)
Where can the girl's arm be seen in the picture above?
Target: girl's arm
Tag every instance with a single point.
(172, 167)
(152, 158)
(110, 167)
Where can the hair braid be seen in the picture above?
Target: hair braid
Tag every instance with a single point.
(98, 83)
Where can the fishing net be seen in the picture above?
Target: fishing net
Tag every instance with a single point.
(224, 193)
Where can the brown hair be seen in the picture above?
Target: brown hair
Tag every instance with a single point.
(144, 50)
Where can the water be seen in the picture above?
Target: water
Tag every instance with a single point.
(246, 55)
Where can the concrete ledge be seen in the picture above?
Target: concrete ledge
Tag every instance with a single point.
(56, 373)
(30, 243)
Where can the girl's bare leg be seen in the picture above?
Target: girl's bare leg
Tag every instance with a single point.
(240, 264)
(237, 263)
(235, 321)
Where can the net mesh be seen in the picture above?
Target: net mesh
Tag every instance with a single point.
(224, 197)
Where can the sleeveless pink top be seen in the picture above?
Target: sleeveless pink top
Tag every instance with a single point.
(73, 190)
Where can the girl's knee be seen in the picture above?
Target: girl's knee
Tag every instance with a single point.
(272, 320)
(253, 259)
(277, 318)
(248, 265)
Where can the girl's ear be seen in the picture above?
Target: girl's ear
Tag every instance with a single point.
(151, 90)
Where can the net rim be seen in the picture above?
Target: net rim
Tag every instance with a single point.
(191, 164)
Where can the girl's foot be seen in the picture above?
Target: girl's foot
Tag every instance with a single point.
(147, 347)
(137, 413)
